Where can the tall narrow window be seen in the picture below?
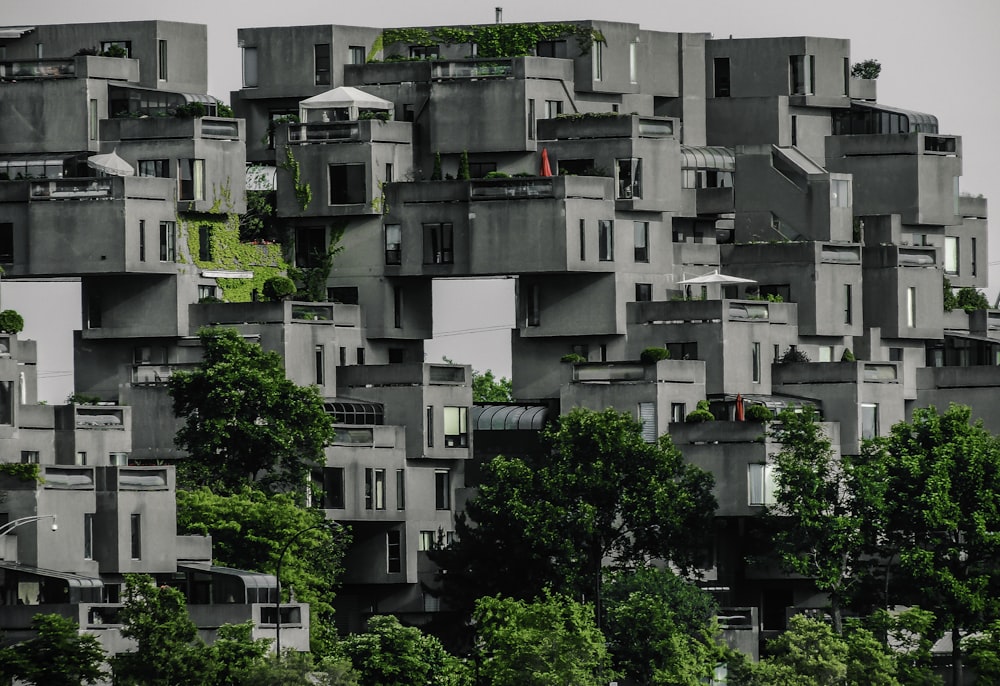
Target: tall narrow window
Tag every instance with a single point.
(597, 59)
(911, 306)
(677, 412)
(531, 306)
(205, 243)
(722, 84)
(641, 231)
(430, 426)
(847, 76)
(168, 252)
(136, 526)
(320, 357)
(6, 243)
(397, 307)
(606, 240)
(321, 59)
(456, 427)
(629, 178)
(142, 240)
(439, 244)
(972, 245)
(848, 303)
(762, 484)
(951, 254)
(633, 62)
(249, 67)
(191, 179)
(374, 489)
(756, 362)
(801, 74)
(583, 239)
(356, 54)
(161, 62)
(95, 309)
(442, 489)
(647, 417)
(88, 536)
(531, 119)
(310, 245)
(426, 541)
(94, 121)
(869, 420)
(333, 486)
(393, 552)
(795, 129)
(393, 244)
(400, 489)
(553, 108)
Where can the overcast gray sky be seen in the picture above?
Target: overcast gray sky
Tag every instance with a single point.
(936, 57)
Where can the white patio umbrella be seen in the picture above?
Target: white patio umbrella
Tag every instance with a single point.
(714, 278)
(110, 163)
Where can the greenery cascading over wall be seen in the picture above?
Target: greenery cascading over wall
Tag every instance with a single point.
(492, 40)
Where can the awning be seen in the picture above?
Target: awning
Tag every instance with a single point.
(355, 412)
(15, 31)
(509, 417)
(72, 580)
(919, 121)
(708, 157)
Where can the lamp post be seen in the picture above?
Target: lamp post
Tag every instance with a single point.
(281, 558)
(13, 524)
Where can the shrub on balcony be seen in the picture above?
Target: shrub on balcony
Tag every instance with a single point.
(654, 355)
(278, 288)
(463, 167)
(572, 358)
(11, 322)
(497, 175)
(848, 356)
(793, 354)
(701, 413)
(759, 413)
(866, 69)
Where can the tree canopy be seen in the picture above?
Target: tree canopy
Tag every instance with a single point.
(245, 423)
(59, 655)
(487, 388)
(600, 493)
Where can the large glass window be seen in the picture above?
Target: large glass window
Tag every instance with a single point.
(347, 184)
(801, 74)
(191, 179)
(438, 244)
(641, 231)
(606, 240)
(629, 178)
(310, 245)
(763, 485)
(442, 489)
(393, 244)
(456, 427)
(321, 59)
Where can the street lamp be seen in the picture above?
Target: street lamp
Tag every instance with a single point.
(11, 525)
(281, 558)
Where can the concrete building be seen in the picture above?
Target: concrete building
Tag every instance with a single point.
(746, 204)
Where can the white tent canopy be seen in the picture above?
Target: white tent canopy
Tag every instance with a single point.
(340, 104)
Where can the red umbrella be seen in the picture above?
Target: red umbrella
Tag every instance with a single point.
(546, 169)
(739, 408)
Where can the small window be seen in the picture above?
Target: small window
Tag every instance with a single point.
(347, 184)
(531, 119)
(553, 108)
(161, 62)
(88, 536)
(29, 457)
(319, 355)
(438, 244)
(643, 292)
(142, 240)
(583, 239)
(360, 356)
(647, 417)
(206, 291)
(136, 526)
(801, 74)
(205, 243)
(442, 489)
(756, 362)
(118, 459)
(430, 426)
(629, 178)
(532, 312)
(911, 306)
(94, 121)
(374, 489)
(333, 488)
(848, 303)
(641, 231)
(763, 486)
(321, 59)
(168, 238)
(606, 240)
(840, 193)
(393, 552)
(400, 489)
(597, 60)
(633, 62)
(678, 411)
(895, 354)
(869, 420)
(249, 67)
(356, 54)
(397, 310)
(191, 179)
(156, 168)
(456, 427)
(116, 48)
(722, 87)
(426, 541)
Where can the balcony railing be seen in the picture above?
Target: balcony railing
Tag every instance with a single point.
(37, 69)
(301, 133)
(157, 373)
(505, 189)
(472, 70)
(70, 189)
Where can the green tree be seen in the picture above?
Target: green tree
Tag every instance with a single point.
(249, 529)
(819, 528)
(245, 423)
(866, 69)
(59, 655)
(390, 654)
(300, 669)
(599, 493)
(661, 628)
(463, 167)
(486, 388)
(550, 641)
(235, 655)
(984, 654)
(168, 651)
(943, 519)
(313, 278)
(971, 299)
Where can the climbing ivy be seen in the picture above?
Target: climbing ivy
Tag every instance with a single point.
(492, 40)
(303, 193)
(228, 253)
(22, 472)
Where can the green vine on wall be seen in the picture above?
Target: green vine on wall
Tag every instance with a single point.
(228, 253)
(22, 472)
(303, 193)
(492, 40)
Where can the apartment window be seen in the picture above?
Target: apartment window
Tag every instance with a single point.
(848, 303)
(687, 350)
(722, 83)
(6, 242)
(136, 538)
(426, 541)
(756, 362)
(88, 536)
(205, 243)
(161, 61)
(360, 357)
(206, 291)
(321, 59)
(157, 168)
(39, 51)
(400, 489)
(191, 179)
(424, 52)
(633, 62)
(583, 239)
(249, 67)
(551, 48)
(763, 485)
(840, 193)
(118, 459)
(951, 255)
(647, 417)
(310, 245)
(597, 60)
(388, 172)
(319, 355)
(393, 552)
(532, 311)
(895, 354)
(641, 232)
(347, 184)
(629, 178)
(343, 356)
(801, 74)
(479, 170)
(142, 240)
(869, 420)
(606, 240)
(356, 54)
(553, 108)
(973, 251)
(678, 411)
(116, 48)
(795, 129)
(397, 307)
(81, 458)
(825, 353)
(847, 76)
(430, 426)
(438, 244)
(7, 401)
(333, 488)
(956, 196)
(374, 489)
(168, 238)
(442, 489)
(94, 121)
(456, 427)
(643, 292)
(531, 119)
(911, 306)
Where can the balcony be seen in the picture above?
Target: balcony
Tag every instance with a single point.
(71, 189)
(508, 189)
(365, 130)
(153, 128)
(423, 71)
(403, 375)
(472, 69)
(287, 312)
(862, 145)
(157, 374)
(606, 125)
(81, 66)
